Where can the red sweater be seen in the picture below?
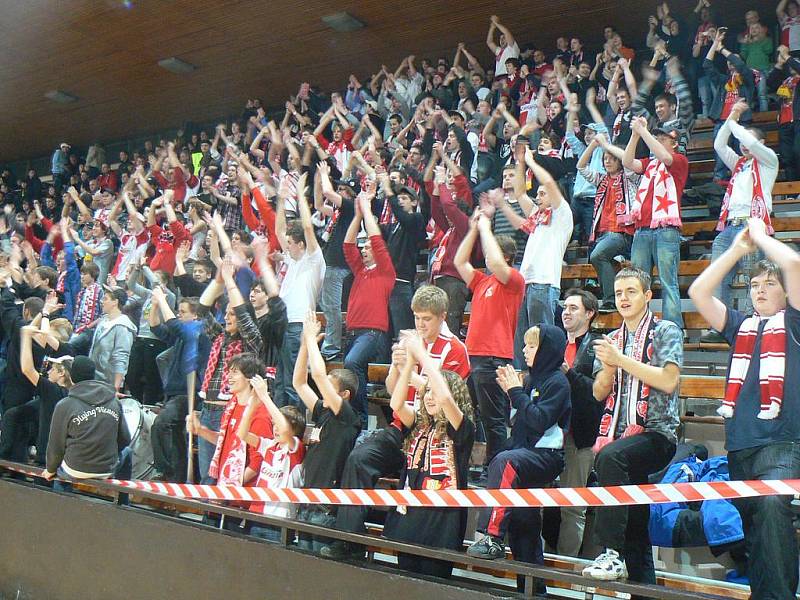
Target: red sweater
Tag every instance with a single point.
(445, 212)
(58, 242)
(166, 244)
(368, 307)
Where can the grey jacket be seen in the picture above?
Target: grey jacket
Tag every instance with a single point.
(111, 346)
(88, 430)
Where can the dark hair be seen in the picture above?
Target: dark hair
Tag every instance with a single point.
(588, 299)
(294, 230)
(770, 268)
(206, 264)
(247, 364)
(346, 380)
(193, 302)
(507, 246)
(668, 98)
(33, 305)
(244, 236)
(91, 269)
(296, 419)
(643, 277)
(120, 296)
(49, 274)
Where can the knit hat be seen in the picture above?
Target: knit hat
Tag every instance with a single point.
(82, 369)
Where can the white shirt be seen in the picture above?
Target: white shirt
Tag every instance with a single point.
(544, 252)
(301, 284)
(742, 191)
(502, 55)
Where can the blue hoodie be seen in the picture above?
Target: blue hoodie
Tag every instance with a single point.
(543, 405)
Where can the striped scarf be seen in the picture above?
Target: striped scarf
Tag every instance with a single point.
(638, 392)
(237, 457)
(88, 306)
(622, 206)
(665, 206)
(772, 363)
(540, 217)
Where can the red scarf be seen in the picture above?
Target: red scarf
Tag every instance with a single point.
(540, 217)
(772, 366)
(234, 348)
(665, 208)
(237, 457)
(387, 214)
(758, 208)
(435, 456)
(622, 206)
(638, 392)
(438, 257)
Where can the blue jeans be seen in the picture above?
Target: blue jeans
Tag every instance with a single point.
(368, 345)
(284, 392)
(316, 515)
(661, 247)
(767, 522)
(210, 417)
(722, 242)
(582, 213)
(330, 300)
(265, 532)
(400, 312)
(761, 90)
(720, 170)
(123, 470)
(609, 245)
(538, 306)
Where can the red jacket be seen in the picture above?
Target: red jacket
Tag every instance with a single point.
(166, 244)
(368, 307)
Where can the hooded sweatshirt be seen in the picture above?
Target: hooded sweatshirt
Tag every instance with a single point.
(111, 346)
(87, 432)
(543, 404)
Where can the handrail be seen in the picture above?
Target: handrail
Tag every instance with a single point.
(526, 570)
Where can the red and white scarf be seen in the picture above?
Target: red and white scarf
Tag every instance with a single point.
(236, 461)
(638, 392)
(87, 308)
(665, 207)
(433, 455)
(622, 206)
(758, 207)
(234, 348)
(540, 217)
(441, 250)
(772, 364)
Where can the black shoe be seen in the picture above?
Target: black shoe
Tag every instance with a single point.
(712, 337)
(607, 307)
(339, 550)
(487, 547)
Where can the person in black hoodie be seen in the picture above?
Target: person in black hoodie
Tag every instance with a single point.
(88, 431)
(534, 456)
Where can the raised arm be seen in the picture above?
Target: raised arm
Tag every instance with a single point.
(544, 178)
(305, 215)
(629, 160)
(399, 400)
(639, 125)
(461, 260)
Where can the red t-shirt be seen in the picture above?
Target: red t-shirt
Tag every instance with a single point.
(276, 468)
(731, 98)
(570, 352)
(679, 169)
(368, 307)
(261, 425)
(494, 314)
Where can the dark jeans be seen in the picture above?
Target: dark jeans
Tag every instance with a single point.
(210, 417)
(122, 470)
(400, 313)
(379, 455)
(768, 530)
(364, 346)
(284, 392)
(457, 292)
(582, 212)
(18, 426)
(143, 378)
(538, 306)
(626, 461)
(789, 149)
(168, 436)
(491, 400)
(607, 246)
(316, 515)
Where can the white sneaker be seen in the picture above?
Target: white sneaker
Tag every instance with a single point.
(608, 567)
(770, 413)
(725, 411)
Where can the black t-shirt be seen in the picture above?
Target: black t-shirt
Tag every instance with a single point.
(334, 252)
(49, 395)
(745, 430)
(324, 461)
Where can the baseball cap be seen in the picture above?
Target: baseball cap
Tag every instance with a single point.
(408, 191)
(666, 129)
(349, 183)
(596, 127)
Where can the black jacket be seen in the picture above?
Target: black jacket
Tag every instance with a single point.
(777, 76)
(718, 80)
(586, 411)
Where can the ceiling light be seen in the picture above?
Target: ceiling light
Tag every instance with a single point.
(60, 96)
(176, 65)
(342, 21)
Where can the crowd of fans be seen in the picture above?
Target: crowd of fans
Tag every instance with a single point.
(189, 275)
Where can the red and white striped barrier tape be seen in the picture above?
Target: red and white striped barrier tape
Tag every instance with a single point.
(508, 498)
(659, 493)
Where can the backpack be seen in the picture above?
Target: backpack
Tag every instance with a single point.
(139, 420)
